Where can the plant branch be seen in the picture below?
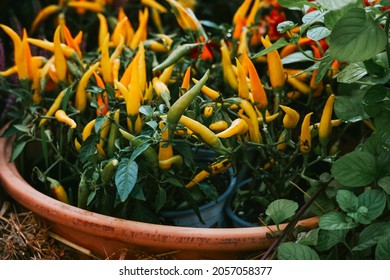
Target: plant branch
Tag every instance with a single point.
(291, 225)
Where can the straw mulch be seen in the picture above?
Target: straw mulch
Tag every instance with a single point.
(23, 236)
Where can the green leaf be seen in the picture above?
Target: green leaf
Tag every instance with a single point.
(355, 169)
(352, 73)
(285, 26)
(336, 221)
(371, 234)
(277, 45)
(350, 108)
(99, 122)
(88, 147)
(281, 209)
(126, 178)
(317, 33)
(323, 68)
(139, 150)
(332, 17)
(384, 183)
(161, 198)
(352, 37)
(375, 201)
(382, 251)
(21, 128)
(376, 94)
(335, 4)
(347, 201)
(308, 238)
(18, 149)
(293, 3)
(295, 251)
(329, 238)
(297, 57)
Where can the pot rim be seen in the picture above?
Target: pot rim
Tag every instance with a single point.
(132, 232)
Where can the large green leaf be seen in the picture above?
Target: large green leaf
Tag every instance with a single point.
(335, 221)
(355, 169)
(374, 201)
(335, 4)
(332, 17)
(347, 201)
(317, 33)
(371, 234)
(295, 251)
(293, 3)
(350, 108)
(384, 183)
(353, 36)
(126, 177)
(382, 251)
(281, 209)
(351, 73)
(329, 238)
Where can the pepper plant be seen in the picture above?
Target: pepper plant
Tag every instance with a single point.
(356, 228)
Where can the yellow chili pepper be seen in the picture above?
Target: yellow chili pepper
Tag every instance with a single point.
(176, 160)
(90, 6)
(15, 39)
(184, 19)
(68, 51)
(165, 150)
(71, 42)
(253, 125)
(237, 127)
(257, 88)
(209, 92)
(205, 133)
(242, 11)
(42, 15)
(155, 5)
(104, 131)
(162, 91)
(166, 74)
(119, 31)
(141, 68)
(227, 68)
(61, 116)
(243, 89)
(325, 128)
(219, 125)
(77, 145)
(88, 129)
(106, 61)
(275, 67)
(208, 111)
(81, 94)
(305, 139)
(215, 168)
(302, 87)
(60, 60)
(128, 28)
(103, 29)
(252, 14)
(54, 107)
(58, 190)
(291, 117)
(141, 32)
(186, 79)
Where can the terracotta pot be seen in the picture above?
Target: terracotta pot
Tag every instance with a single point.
(106, 236)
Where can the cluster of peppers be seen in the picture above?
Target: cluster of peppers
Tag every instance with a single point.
(104, 94)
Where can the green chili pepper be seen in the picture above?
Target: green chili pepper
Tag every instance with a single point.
(175, 55)
(181, 104)
(149, 153)
(82, 193)
(109, 171)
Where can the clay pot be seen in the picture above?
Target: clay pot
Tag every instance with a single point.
(107, 236)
